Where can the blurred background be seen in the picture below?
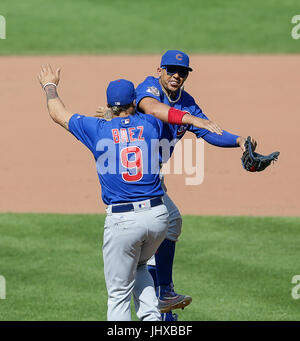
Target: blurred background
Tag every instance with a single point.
(139, 27)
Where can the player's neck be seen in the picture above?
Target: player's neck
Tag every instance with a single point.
(173, 96)
(123, 114)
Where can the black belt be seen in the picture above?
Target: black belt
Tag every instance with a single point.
(129, 207)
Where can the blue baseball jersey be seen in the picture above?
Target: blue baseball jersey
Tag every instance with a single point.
(185, 102)
(151, 87)
(126, 154)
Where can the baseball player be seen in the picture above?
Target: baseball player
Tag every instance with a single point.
(164, 96)
(137, 220)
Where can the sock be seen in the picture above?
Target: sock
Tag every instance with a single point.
(164, 258)
(164, 316)
(169, 316)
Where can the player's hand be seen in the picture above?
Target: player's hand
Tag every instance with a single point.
(48, 76)
(204, 124)
(104, 112)
(100, 112)
(241, 142)
(213, 127)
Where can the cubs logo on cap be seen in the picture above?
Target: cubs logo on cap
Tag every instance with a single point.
(175, 57)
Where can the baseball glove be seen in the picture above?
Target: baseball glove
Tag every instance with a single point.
(254, 162)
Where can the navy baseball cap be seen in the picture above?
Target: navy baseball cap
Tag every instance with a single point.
(120, 92)
(175, 57)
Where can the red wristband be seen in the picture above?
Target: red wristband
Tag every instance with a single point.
(175, 116)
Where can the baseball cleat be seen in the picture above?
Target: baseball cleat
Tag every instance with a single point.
(170, 300)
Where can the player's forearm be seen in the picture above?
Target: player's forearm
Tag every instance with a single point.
(54, 103)
(164, 112)
(56, 108)
(174, 116)
(155, 108)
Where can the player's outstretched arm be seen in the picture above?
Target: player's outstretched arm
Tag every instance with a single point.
(170, 115)
(49, 82)
(227, 140)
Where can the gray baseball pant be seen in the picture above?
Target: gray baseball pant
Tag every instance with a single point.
(130, 239)
(175, 219)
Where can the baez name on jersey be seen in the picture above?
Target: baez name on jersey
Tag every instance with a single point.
(123, 135)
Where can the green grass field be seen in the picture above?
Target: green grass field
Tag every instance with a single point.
(135, 27)
(236, 268)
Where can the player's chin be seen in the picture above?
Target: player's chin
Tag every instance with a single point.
(173, 87)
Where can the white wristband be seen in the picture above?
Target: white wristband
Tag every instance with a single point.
(49, 84)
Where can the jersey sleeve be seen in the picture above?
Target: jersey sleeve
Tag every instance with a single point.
(148, 88)
(85, 129)
(226, 140)
(195, 110)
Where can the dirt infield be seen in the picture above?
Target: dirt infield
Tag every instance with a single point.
(44, 169)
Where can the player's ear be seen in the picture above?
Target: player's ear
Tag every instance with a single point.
(159, 70)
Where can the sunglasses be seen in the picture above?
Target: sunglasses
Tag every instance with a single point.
(172, 69)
